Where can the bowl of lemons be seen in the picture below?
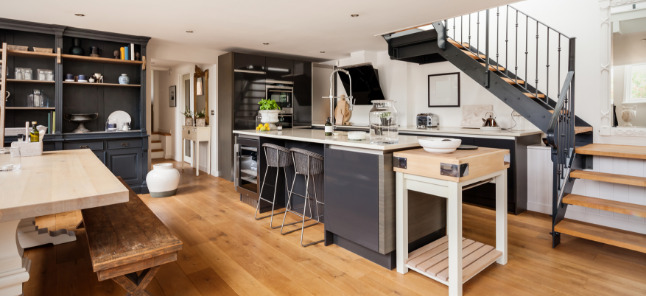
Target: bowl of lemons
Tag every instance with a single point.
(264, 127)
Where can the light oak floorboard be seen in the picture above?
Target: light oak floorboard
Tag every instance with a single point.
(227, 252)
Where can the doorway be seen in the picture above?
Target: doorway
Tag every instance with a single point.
(186, 98)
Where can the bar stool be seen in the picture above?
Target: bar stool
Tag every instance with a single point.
(277, 157)
(308, 164)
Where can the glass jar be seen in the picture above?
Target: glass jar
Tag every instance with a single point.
(383, 122)
(27, 74)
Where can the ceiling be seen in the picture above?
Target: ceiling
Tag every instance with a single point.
(303, 28)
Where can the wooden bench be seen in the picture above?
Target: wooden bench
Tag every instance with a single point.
(128, 243)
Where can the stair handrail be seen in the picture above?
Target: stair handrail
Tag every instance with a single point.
(563, 112)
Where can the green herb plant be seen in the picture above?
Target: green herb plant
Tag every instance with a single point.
(268, 104)
(201, 114)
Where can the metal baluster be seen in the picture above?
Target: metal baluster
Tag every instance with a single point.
(507, 41)
(526, 43)
(461, 29)
(547, 67)
(497, 37)
(488, 73)
(516, 50)
(536, 86)
(558, 72)
(478, 31)
(469, 37)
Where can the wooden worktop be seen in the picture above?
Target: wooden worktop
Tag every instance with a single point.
(57, 182)
(481, 161)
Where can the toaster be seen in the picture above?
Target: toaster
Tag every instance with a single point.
(426, 120)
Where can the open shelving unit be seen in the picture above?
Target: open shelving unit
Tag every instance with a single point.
(100, 84)
(125, 153)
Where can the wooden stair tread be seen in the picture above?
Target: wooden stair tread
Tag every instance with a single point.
(606, 205)
(607, 235)
(161, 133)
(157, 150)
(494, 68)
(458, 44)
(473, 55)
(609, 178)
(155, 141)
(512, 81)
(620, 151)
(533, 95)
(582, 129)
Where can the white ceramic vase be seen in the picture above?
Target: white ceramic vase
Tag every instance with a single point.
(162, 181)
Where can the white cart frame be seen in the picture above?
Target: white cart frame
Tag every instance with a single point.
(452, 191)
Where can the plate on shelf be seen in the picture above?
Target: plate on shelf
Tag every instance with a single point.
(82, 81)
(69, 80)
(119, 117)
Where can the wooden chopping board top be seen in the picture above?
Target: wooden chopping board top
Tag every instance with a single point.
(472, 163)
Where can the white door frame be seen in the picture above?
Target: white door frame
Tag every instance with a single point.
(183, 94)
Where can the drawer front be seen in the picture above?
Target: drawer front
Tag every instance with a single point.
(124, 143)
(189, 133)
(94, 145)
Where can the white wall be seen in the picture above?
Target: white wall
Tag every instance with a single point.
(407, 84)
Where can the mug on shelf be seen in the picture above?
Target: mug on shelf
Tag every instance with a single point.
(81, 77)
(69, 76)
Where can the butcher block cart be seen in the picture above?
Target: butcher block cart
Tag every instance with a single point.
(451, 260)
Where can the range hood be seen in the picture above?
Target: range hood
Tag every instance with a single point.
(365, 83)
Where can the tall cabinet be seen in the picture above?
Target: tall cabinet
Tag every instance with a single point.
(241, 85)
(49, 48)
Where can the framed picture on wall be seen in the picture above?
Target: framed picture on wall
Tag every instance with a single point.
(444, 90)
(171, 97)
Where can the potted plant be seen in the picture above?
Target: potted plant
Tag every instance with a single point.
(188, 117)
(269, 110)
(200, 118)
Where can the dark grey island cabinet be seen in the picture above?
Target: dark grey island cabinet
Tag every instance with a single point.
(66, 50)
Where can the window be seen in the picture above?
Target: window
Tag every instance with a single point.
(635, 83)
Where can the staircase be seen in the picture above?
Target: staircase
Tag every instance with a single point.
(531, 68)
(158, 142)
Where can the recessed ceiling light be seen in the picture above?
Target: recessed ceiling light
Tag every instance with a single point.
(265, 43)
(190, 31)
(79, 14)
(322, 51)
(354, 15)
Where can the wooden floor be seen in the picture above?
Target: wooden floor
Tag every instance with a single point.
(227, 252)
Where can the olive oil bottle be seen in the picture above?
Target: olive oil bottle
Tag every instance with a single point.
(33, 134)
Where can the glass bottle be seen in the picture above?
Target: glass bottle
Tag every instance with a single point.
(383, 122)
(328, 128)
(33, 134)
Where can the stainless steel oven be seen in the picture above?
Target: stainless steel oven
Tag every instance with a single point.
(282, 92)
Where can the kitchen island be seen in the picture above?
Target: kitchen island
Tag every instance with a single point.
(359, 184)
(358, 190)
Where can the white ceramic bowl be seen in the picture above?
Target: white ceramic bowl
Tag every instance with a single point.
(439, 145)
(357, 136)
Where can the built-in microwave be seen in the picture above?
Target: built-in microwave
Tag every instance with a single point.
(282, 92)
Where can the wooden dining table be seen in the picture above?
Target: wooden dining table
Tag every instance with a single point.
(54, 182)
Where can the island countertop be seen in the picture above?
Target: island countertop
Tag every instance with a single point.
(340, 138)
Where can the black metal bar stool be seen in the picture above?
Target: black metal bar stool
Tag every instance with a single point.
(308, 164)
(277, 157)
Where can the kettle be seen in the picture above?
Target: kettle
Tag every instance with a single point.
(489, 121)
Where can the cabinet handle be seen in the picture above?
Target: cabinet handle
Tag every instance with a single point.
(124, 144)
(84, 147)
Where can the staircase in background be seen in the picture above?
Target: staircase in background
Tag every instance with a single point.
(531, 68)
(158, 144)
